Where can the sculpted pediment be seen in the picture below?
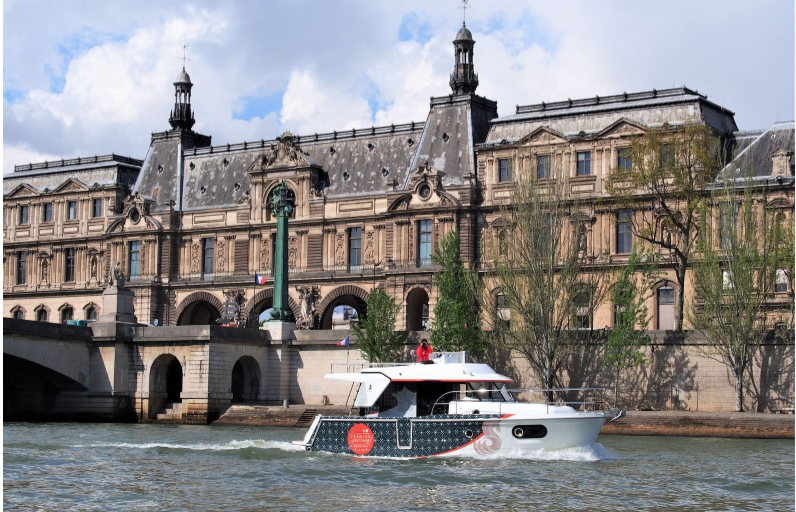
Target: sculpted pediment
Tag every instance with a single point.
(779, 203)
(285, 154)
(544, 135)
(71, 185)
(622, 128)
(23, 190)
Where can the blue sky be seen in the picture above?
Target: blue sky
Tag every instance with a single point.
(89, 77)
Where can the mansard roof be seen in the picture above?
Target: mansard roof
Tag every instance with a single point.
(368, 161)
(591, 115)
(102, 170)
(753, 151)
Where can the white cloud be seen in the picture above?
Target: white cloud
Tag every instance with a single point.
(347, 69)
(310, 105)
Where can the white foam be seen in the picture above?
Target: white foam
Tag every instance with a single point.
(232, 445)
(590, 453)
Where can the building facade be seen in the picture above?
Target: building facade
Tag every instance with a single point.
(191, 227)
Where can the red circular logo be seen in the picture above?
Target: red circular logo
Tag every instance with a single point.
(360, 439)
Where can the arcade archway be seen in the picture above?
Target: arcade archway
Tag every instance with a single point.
(351, 296)
(246, 378)
(200, 308)
(165, 383)
(417, 310)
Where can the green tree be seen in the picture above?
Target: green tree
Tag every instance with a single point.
(546, 271)
(457, 315)
(735, 277)
(625, 342)
(376, 337)
(666, 181)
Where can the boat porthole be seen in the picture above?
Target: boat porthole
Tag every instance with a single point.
(468, 434)
(476, 411)
(518, 432)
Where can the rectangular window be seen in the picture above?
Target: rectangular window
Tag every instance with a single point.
(624, 234)
(71, 210)
(96, 207)
(782, 281)
(667, 156)
(355, 249)
(23, 214)
(47, 212)
(424, 243)
(544, 235)
(22, 268)
(503, 319)
(504, 170)
(543, 166)
(135, 258)
(208, 249)
(726, 278)
(728, 223)
(625, 162)
(584, 163)
(69, 266)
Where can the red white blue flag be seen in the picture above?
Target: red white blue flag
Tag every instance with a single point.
(258, 279)
(345, 342)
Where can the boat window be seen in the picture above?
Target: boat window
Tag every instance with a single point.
(429, 393)
(370, 391)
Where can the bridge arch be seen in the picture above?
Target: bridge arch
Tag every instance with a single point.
(199, 308)
(348, 295)
(263, 300)
(165, 383)
(246, 379)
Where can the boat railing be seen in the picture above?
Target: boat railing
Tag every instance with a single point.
(586, 399)
(356, 367)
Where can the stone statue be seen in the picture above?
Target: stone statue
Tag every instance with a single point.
(45, 271)
(309, 297)
(116, 277)
(93, 268)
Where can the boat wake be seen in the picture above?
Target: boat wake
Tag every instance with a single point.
(260, 444)
(590, 453)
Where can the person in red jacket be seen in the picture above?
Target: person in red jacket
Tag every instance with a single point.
(423, 351)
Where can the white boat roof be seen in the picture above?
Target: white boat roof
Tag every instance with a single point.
(450, 372)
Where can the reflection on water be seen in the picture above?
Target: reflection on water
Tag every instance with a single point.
(159, 467)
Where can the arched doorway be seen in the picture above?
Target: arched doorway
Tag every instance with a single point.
(199, 313)
(417, 310)
(246, 380)
(165, 383)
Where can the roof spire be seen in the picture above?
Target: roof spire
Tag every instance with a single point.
(181, 117)
(464, 12)
(184, 57)
(464, 79)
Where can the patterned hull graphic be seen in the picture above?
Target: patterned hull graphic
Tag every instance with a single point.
(405, 437)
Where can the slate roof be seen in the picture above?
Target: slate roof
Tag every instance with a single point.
(357, 162)
(753, 150)
(102, 170)
(590, 115)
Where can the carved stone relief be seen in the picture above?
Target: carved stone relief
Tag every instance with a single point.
(195, 250)
(265, 252)
(339, 252)
(221, 259)
(369, 247)
(292, 251)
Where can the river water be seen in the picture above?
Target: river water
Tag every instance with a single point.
(78, 466)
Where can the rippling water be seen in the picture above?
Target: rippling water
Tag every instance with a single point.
(156, 467)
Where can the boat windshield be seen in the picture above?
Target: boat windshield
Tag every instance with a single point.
(488, 392)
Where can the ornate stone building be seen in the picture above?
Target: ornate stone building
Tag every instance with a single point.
(190, 224)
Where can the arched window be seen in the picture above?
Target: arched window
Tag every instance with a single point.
(19, 314)
(41, 316)
(665, 299)
(67, 314)
(268, 212)
(91, 313)
(502, 311)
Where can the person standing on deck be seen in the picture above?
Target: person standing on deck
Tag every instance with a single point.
(423, 351)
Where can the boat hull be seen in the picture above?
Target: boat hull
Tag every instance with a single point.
(451, 435)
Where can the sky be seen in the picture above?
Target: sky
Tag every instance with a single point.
(95, 77)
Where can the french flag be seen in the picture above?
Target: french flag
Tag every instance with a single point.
(258, 279)
(345, 342)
